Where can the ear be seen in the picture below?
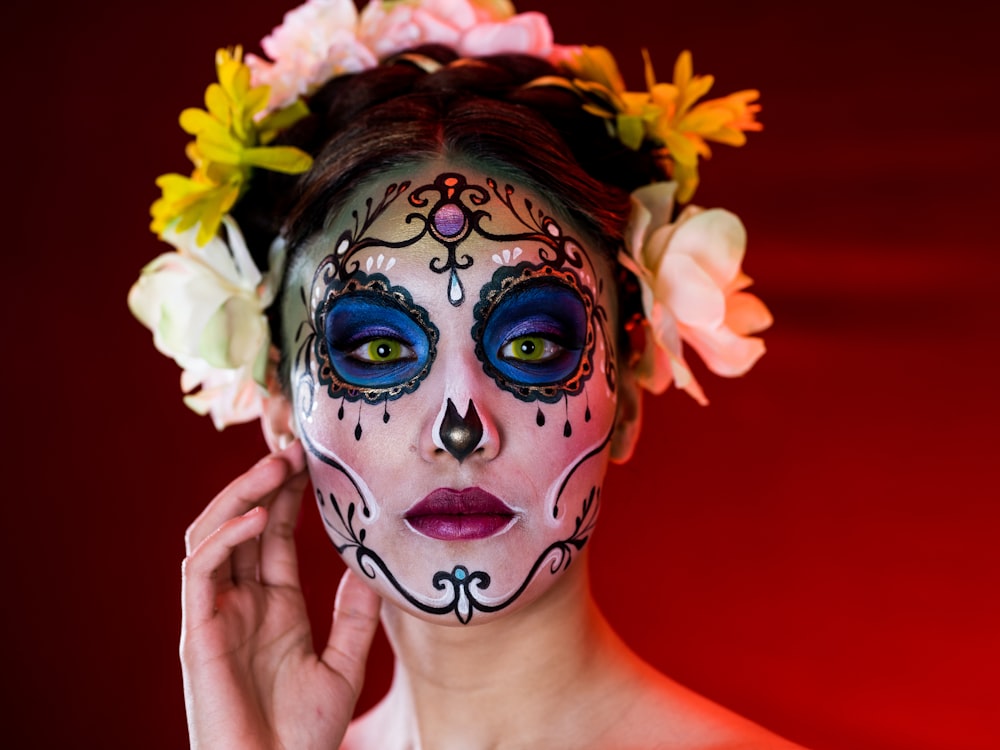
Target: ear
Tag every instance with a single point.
(628, 418)
(277, 422)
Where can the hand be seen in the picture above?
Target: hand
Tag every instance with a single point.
(251, 676)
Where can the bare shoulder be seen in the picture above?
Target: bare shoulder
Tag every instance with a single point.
(636, 709)
(665, 714)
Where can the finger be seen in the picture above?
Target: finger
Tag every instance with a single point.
(203, 576)
(249, 557)
(245, 561)
(355, 619)
(248, 490)
(279, 564)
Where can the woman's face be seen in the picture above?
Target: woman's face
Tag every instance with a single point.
(454, 384)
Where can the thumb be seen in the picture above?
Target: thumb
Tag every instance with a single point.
(355, 619)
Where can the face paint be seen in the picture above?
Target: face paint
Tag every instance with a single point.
(470, 501)
(534, 332)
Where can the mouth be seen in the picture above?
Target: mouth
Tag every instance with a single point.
(457, 515)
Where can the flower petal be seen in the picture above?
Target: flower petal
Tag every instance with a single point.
(525, 34)
(690, 293)
(746, 314)
(715, 240)
(725, 352)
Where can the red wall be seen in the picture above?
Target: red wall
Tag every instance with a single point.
(815, 550)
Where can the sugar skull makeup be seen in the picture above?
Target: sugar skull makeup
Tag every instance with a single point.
(454, 387)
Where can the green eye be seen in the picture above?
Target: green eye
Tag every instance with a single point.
(382, 350)
(530, 349)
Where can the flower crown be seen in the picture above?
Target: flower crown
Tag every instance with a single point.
(205, 301)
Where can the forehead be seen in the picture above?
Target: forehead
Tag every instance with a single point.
(445, 223)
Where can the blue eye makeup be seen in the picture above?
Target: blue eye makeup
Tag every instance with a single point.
(534, 333)
(376, 343)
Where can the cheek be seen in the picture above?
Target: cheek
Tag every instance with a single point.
(561, 449)
(353, 449)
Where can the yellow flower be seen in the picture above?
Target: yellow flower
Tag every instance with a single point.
(229, 142)
(597, 80)
(666, 116)
(683, 127)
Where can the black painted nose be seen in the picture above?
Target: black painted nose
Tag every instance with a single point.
(461, 435)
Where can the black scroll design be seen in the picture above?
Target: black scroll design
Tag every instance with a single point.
(450, 220)
(557, 248)
(334, 464)
(449, 210)
(462, 585)
(341, 263)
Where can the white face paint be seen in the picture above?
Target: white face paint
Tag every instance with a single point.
(453, 377)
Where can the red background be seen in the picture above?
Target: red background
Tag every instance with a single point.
(815, 550)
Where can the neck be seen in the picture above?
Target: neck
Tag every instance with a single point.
(460, 686)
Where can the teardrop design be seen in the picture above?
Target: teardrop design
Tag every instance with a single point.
(455, 292)
(540, 418)
(340, 411)
(357, 431)
(567, 429)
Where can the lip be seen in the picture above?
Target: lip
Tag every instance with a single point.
(456, 515)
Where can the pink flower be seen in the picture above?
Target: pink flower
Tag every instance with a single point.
(228, 396)
(390, 28)
(526, 34)
(316, 42)
(474, 28)
(692, 290)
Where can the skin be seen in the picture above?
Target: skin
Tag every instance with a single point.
(544, 654)
(375, 468)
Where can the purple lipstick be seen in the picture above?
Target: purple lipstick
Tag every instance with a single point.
(458, 515)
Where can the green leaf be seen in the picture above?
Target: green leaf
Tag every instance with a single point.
(281, 119)
(631, 131)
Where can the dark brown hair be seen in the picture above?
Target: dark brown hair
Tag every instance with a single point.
(481, 110)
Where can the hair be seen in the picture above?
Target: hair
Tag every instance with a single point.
(480, 110)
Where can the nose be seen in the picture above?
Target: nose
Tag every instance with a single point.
(460, 435)
(463, 429)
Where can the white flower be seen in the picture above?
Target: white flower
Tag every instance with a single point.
(205, 306)
(692, 290)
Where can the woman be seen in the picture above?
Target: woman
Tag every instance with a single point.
(464, 303)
